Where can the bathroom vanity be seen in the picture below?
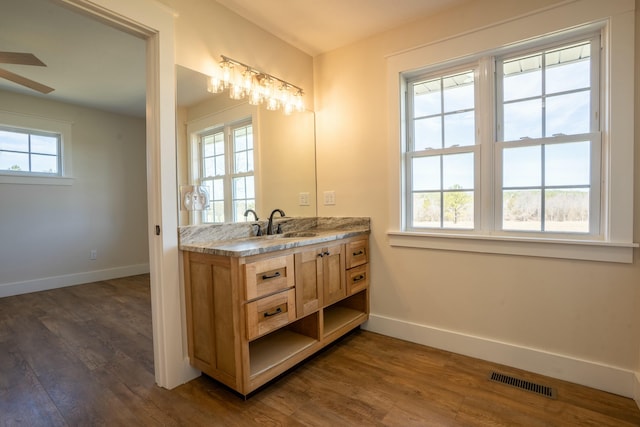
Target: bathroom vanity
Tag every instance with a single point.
(257, 306)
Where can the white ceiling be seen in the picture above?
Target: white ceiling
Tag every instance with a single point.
(319, 26)
(92, 64)
(88, 63)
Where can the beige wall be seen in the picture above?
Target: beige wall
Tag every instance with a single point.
(205, 30)
(48, 231)
(536, 307)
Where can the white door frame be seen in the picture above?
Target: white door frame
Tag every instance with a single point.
(155, 23)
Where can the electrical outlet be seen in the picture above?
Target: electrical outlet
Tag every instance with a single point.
(329, 198)
(303, 199)
(93, 254)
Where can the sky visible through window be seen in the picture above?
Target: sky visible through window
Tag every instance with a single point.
(25, 152)
(541, 98)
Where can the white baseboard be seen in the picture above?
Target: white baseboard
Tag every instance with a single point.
(636, 388)
(46, 283)
(592, 374)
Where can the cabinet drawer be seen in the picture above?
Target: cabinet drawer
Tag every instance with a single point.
(269, 313)
(357, 279)
(268, 276)
(357, 253)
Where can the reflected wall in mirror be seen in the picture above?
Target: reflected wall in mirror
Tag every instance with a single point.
(221, 141)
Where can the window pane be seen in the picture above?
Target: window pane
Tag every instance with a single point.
(218, 211)
(428, 133)
(426, 210)
(521, 210)
(426, 173)
(459, 129)
(568, 164)
(14, 161)
(209, 167)
(521, 167)
(427, 99)
(567, 210)
(523, 119)
(568, 68)
(14, 141)
(44, 164)
(525, 84)
(219, 166)
(250, 187)
(42, 144)
(240, 139)
(458, 209)
(217, 190)
(568, 114)
(458, 92)
(239, 191)
(241, 165)
(458, 171)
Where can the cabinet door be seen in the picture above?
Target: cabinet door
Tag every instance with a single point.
(333, 280)
(308, 268)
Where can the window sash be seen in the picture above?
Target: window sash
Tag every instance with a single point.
(31, 153)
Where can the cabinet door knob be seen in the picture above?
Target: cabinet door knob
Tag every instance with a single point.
(274, 312)
(327, 253)
(273, 276)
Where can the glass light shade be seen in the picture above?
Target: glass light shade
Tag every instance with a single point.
(255, 96)
(236, 91)
(273, 103)
(215, 84)
(227, 69)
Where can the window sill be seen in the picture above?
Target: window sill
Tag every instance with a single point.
(588, 250)
(35, 180)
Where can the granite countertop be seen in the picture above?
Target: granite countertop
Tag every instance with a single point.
(238, 239)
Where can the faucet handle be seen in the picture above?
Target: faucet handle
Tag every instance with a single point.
(259, 229)
(279, 229)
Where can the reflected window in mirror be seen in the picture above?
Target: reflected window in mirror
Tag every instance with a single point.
(226, 170)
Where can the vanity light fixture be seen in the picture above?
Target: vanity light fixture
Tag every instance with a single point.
(244, 81)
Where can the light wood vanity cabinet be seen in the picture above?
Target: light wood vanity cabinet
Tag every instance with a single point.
(249, 319)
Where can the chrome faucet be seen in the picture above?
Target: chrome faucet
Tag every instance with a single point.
(270, 224)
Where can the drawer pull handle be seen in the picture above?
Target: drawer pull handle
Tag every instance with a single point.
(360, 252)
(274, 312)
(358, 278)
(273, 276)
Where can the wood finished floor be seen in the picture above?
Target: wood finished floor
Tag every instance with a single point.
(82, 356)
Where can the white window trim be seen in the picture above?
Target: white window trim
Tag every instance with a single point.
(36, 123)
(617, 23)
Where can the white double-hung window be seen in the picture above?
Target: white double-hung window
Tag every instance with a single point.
(227, 171)
(518, 138)
(543, 139)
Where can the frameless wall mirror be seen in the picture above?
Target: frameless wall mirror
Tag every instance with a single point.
(233, 156)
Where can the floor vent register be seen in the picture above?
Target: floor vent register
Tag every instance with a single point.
(542, 390)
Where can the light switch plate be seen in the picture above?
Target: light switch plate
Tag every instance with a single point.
(329, 198)
(303, 199)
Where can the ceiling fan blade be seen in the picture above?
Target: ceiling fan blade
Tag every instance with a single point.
(25, 81)
(20, 59)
